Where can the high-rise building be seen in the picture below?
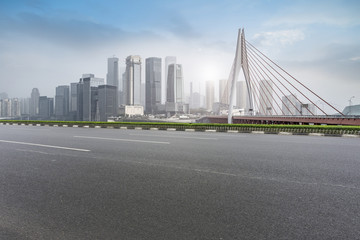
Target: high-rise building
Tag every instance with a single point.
(25, 106)
(15, 107)
(308, 109)
(5, 107)
(107, 102)
(242, 96)
(123, 95)
(265, 97)
(46, 107)
(133, 80)
(290, 105)
(196, 99)
(62, 102)
(175, 96)
(112, 77)
(175, 84)
(209, 95)
(73, 97)
(168, 60)
(87, 97)
(34, 102)
(153, 84)
(224, 91)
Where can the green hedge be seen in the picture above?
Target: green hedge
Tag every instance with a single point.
(327, 129)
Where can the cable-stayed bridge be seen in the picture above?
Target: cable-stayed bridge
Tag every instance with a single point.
(273, 95)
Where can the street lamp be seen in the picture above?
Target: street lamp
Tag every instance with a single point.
(350, 102)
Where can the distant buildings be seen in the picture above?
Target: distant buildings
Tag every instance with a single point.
(290, 105)
(168, 60)
(34, 102)
(175, 95)
(133, 80)
(91, 99)
(152, 84)
(46, 107)
(175, 84)
(107, 102)
(242, 96)
(265, 97)
(62, 102)
(112, 76)
(87, 94)
(224, 91)
(210, 95)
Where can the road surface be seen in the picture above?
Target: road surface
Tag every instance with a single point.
(81, 183)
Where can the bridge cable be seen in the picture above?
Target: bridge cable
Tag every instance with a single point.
(257, 65)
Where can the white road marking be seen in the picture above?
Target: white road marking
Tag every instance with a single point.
(121, 139)
(33, 151)
(48, 146)
(153, 135)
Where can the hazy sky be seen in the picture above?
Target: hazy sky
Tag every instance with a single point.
(48, 43)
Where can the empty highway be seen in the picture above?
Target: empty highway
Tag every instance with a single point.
(84, 183)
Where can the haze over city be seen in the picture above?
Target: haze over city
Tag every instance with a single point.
(49, 43)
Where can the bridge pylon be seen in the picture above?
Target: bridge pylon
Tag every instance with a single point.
(270, 89)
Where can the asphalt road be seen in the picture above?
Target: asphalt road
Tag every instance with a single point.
(77, 183)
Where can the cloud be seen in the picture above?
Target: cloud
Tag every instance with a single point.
(283, 37)
(355, 59)
(330, 13)
(179, 27)
(73, 33)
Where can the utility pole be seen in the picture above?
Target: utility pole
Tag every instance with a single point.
(350, 103)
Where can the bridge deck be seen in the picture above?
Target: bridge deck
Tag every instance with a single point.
(305, 120)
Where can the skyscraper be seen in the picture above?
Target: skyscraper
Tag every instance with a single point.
(168, 60)
(175, 84)
(153, 84)
(46, 107)
(25, 106)
(133, 80)
(5, 107)
(224, 91)
(209, 95)
(112, 77)
(87, 97)
(242, 96)
(62, 102)
(34, 102)
(107, 101)
(290, 105)
(15, 107)
(265, 97)
(73, 97)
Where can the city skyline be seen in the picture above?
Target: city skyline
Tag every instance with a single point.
(54, 43)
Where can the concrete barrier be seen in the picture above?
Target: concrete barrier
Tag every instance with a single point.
(258, 132)
(316, 134)
(285, 133)
(189, 130)
(210, 130)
